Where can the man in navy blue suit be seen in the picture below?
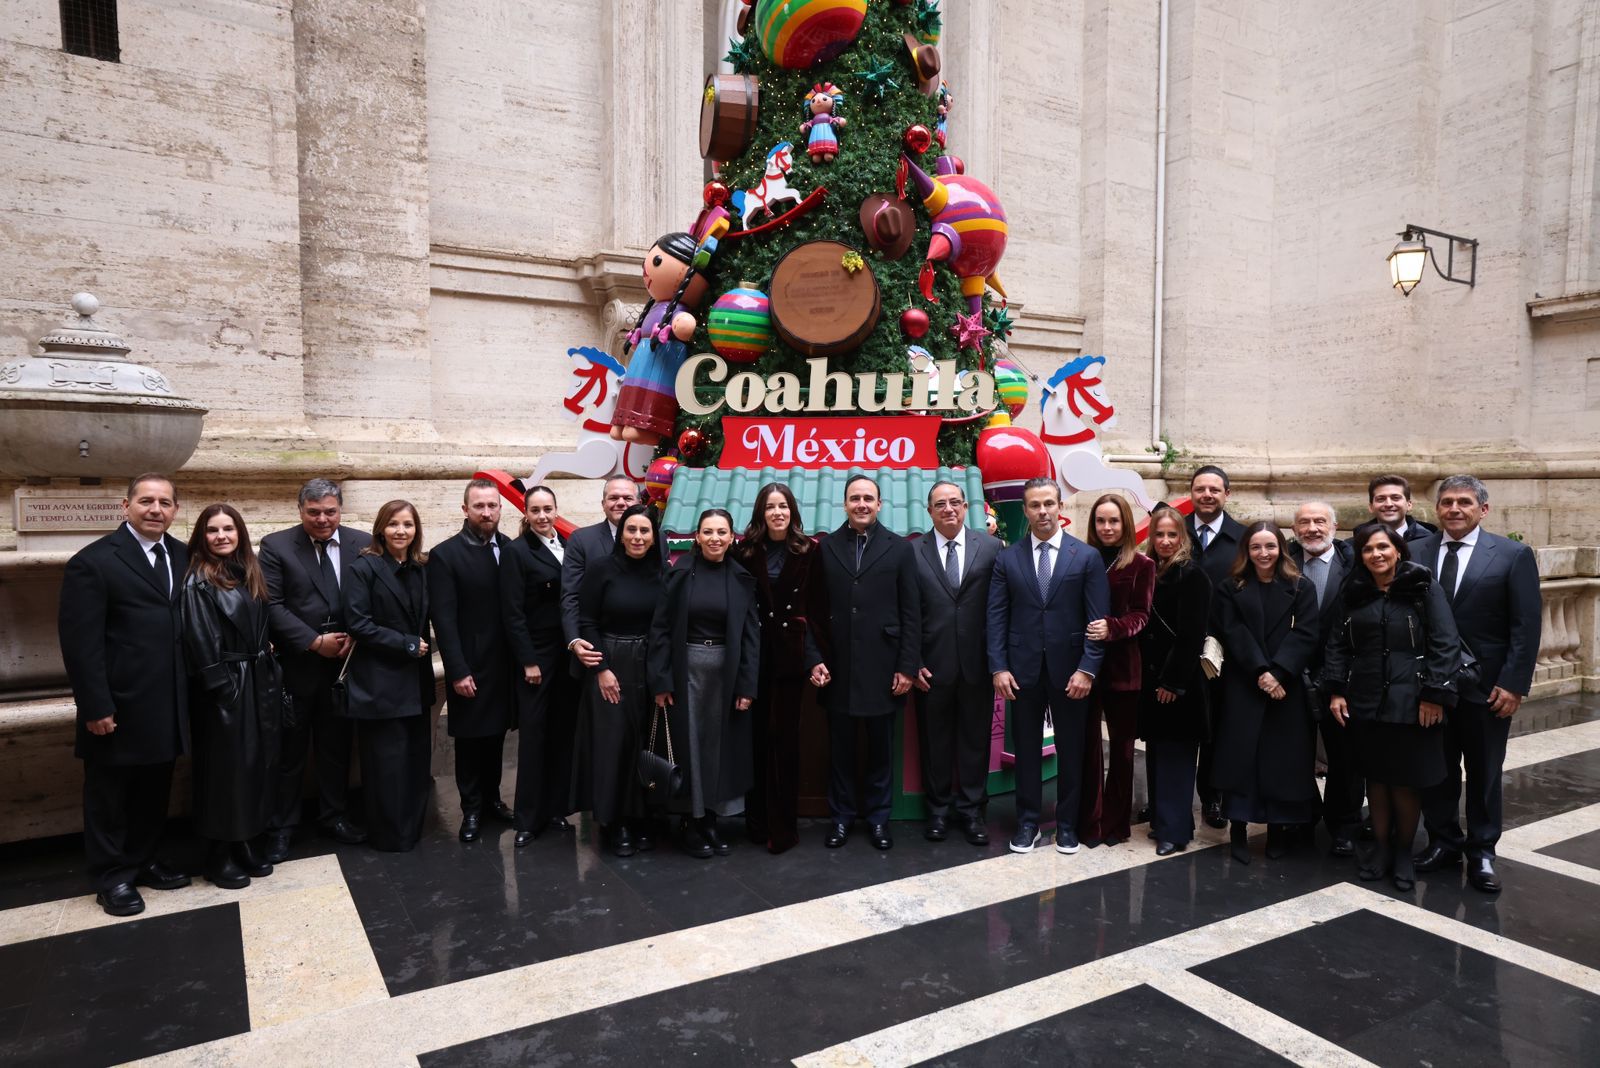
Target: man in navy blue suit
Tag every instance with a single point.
(1492, 584)
(1047, 588)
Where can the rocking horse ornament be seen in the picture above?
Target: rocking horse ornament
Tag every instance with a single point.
(590, 402)
(1073, 405)
(772, 189)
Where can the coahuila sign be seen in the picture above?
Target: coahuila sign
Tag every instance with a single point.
(833, 391)
(899, 441)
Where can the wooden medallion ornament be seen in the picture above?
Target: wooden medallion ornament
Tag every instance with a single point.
(728, 112)
(820, 305)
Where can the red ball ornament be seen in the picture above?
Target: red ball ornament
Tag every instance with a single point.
(691, 443)
(914, 323)
(715, 194)
(918, 139)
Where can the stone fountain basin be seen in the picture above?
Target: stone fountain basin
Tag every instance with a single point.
(42, 434)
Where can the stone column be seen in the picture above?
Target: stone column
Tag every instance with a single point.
(362, 110)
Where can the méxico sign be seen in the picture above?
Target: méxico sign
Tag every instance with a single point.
(899, 441)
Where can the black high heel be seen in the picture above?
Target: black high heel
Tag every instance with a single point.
(1239, 841)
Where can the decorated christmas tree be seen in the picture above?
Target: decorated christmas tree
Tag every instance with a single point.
(839, 234)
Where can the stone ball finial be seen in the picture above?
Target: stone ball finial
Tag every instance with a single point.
(85, 304)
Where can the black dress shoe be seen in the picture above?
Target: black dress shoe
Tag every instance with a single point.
(227, 873)
(694, 843)
(644, 838)
(938, 829)
(251, 862)
(879, 833)
(502, 812)
(1213, 816)
(560, 823)
(120, 900)
(1166, 849)
(977, 833)
(342, 830)
(838, 835)
(622, 843)
(523, 838)
(1143, 815)
(157, 876)
(277, 847)
(708, 831)
(1342, 847)
(1436, 858)
(1480, 873)
(470, 827)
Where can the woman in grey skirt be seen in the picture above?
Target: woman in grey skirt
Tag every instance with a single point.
(705, 649)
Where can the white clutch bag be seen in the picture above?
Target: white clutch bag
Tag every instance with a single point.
(1211, 657)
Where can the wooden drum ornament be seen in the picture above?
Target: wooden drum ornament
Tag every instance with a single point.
(728, 113)
(819, 306)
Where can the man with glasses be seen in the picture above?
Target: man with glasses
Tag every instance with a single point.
(954, 691)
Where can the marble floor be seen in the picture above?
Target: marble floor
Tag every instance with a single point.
(929, 954)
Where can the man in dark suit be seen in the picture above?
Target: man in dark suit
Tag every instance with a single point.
(1046, 589)
(464, 599)
(1492, 584)
(1326, 562)
(305, 568)
(1389, 501)
(121, 640)
(1214, 537)
(955, 691)
(875, 640)
(617, 495)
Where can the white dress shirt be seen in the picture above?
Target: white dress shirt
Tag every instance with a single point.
(553, 543)
(332, 549)
(1215, 526)
(960, 542)
(149, 554)
(1463, 555)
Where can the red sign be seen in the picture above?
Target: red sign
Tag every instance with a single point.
(899, 441)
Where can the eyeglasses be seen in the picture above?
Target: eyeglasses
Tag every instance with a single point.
(948, 505)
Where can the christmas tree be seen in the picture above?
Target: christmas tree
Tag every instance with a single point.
(840, 168)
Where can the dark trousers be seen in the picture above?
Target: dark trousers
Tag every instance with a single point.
(954, 724)
(546, 718)
(309, 722)
(1169, 766)
(1027, 735)
(772, 806)
(1106, 810)
(1344, 787)
(395, 759)
(478, 767)
(878, 774)
(1477, 737)
(124, 811)
(1202, 780)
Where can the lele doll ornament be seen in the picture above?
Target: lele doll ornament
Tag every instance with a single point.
(823, 125)
(646, 405)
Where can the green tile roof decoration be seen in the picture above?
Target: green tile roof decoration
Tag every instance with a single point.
(820, 495)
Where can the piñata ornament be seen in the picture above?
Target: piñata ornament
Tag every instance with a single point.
(740, 324)
(796, 34)
(658, 479)
(969, 232)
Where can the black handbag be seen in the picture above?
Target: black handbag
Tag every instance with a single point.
(341, 691)
(660, 776)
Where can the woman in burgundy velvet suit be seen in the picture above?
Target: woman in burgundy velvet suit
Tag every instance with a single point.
(790, 601)
(1107, 807)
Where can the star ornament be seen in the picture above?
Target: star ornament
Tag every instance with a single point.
(970, 331)
(740, 56)
(877, 80)
(999, 321)
(927, 16)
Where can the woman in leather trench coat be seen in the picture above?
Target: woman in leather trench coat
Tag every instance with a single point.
(236, 704)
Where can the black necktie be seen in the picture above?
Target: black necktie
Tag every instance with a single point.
(325, 564)
(1450, 570)
(163, 576)
(952, 568)
(861, 548)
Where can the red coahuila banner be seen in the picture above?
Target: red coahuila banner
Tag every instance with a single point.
(899, 441)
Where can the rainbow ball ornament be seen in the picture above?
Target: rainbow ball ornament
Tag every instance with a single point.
(658, 478)
(1011, 386)
(739, 324)
(796, 34)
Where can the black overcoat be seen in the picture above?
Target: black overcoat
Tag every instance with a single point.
(304, 604)
(235, 709)
(1258, 739)
(464, 604)
(387, 614)
(791, 609)
(122, 643)
(1392, 650)
(1170, 646)
(874, 625)
(669, 633)
(530, 605)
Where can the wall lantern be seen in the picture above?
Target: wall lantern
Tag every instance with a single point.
(1409, 256)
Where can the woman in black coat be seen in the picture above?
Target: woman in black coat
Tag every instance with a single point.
(790, 594)
(616, 603)
(530, 608)
(1172, 704)
(704, 653)
(1390, 672)
(1265, 737)
(236, 702)
(389, 676)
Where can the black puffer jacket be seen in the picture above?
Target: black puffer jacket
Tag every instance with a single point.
(1393, 649)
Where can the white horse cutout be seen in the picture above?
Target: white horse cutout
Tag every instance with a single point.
(1072, 396)
(597, 378)
(773, 187)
